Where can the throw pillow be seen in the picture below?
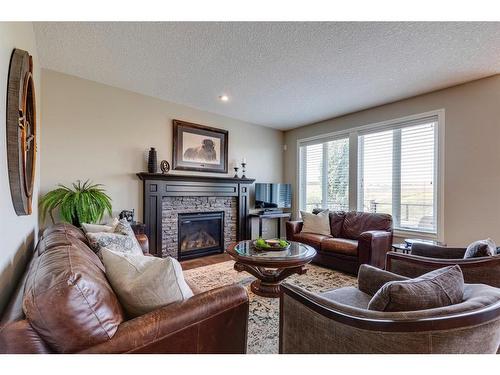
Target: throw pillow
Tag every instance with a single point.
(121, 240)
(317, 224)
(143, 283)
(481, 248)
(96, 228)
(438, 288)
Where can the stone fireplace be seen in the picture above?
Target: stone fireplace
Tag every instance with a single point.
(186, 218)
(189, 216)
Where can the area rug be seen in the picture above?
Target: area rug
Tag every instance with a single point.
(263, 320)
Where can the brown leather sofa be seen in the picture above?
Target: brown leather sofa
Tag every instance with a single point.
(64, 304)
(427, 257)
(356, 238)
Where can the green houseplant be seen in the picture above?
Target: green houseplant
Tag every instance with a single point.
(83, 203)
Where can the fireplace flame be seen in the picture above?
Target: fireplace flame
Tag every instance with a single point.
(198, 240)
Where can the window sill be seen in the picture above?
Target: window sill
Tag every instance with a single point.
(405, 233)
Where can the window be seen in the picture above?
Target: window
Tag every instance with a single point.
(396, 174)
(324, 175)
(393, 169)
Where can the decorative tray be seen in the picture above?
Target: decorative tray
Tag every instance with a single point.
(273, 244)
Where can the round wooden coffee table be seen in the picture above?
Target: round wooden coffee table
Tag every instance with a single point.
(270, 267)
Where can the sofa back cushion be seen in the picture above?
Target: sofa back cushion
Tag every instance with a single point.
(68, 300)
(336, 221)
(356, 223)
(438, 288)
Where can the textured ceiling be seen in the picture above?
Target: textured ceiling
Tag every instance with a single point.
(280, 75)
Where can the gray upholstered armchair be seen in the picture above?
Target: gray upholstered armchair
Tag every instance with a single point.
(338, 321)
(426, 257)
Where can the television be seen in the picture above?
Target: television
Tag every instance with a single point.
(273, 196)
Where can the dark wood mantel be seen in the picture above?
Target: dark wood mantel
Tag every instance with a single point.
(156, 186)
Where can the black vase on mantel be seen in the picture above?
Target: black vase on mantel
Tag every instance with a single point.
(152, 161)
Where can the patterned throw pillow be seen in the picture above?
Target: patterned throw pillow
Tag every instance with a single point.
(481, 248)
(121, 240)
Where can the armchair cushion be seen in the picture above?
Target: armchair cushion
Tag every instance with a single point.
(439, 288)
(350, 296)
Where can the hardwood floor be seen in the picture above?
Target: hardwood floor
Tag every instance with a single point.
(204, 261)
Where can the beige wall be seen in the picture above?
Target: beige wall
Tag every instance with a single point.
(471, 156)
(93, 131)
(18, 233)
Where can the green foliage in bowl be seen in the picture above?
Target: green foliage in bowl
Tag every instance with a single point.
(262, 244)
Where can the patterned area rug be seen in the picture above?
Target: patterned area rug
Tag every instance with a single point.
(263, 320)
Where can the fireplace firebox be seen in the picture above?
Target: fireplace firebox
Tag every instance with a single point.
(200, 234)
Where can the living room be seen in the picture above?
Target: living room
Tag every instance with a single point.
(250, 187)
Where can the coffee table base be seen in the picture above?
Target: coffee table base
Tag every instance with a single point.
(266, 289)
(268, 283)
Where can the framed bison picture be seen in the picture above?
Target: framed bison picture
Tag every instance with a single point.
(199, 148)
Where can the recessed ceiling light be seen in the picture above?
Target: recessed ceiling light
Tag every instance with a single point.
(224, 98)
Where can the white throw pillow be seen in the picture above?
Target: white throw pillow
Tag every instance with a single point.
(97, 228)
(317, 224)
(144, 283)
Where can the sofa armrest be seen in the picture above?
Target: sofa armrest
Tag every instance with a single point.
(143, 242)
(372, 247)
(371, 279)
(436, 251)
(198, 325)
(293, 228)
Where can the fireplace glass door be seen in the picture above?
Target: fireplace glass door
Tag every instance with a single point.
(200, 234)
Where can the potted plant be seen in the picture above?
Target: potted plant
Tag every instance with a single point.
(83, 203)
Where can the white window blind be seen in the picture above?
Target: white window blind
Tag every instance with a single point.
(397, 172)
(324, 175)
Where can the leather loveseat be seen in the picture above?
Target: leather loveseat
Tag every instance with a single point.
(64, 304)
(356, 238)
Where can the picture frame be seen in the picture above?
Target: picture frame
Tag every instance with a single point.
(199, 148)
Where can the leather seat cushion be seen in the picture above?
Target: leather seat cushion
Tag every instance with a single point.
(340, 245)
(68, 300)
(311, 239)
(350, 296)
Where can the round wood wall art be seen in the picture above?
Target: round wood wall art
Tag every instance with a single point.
(21, 130)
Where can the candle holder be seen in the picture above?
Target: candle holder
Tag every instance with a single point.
(243, 166)
(236, 172)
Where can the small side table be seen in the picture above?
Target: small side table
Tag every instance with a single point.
(271, 216)
(401, 247)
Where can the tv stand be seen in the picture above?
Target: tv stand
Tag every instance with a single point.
(271, 211)
(271, 215)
